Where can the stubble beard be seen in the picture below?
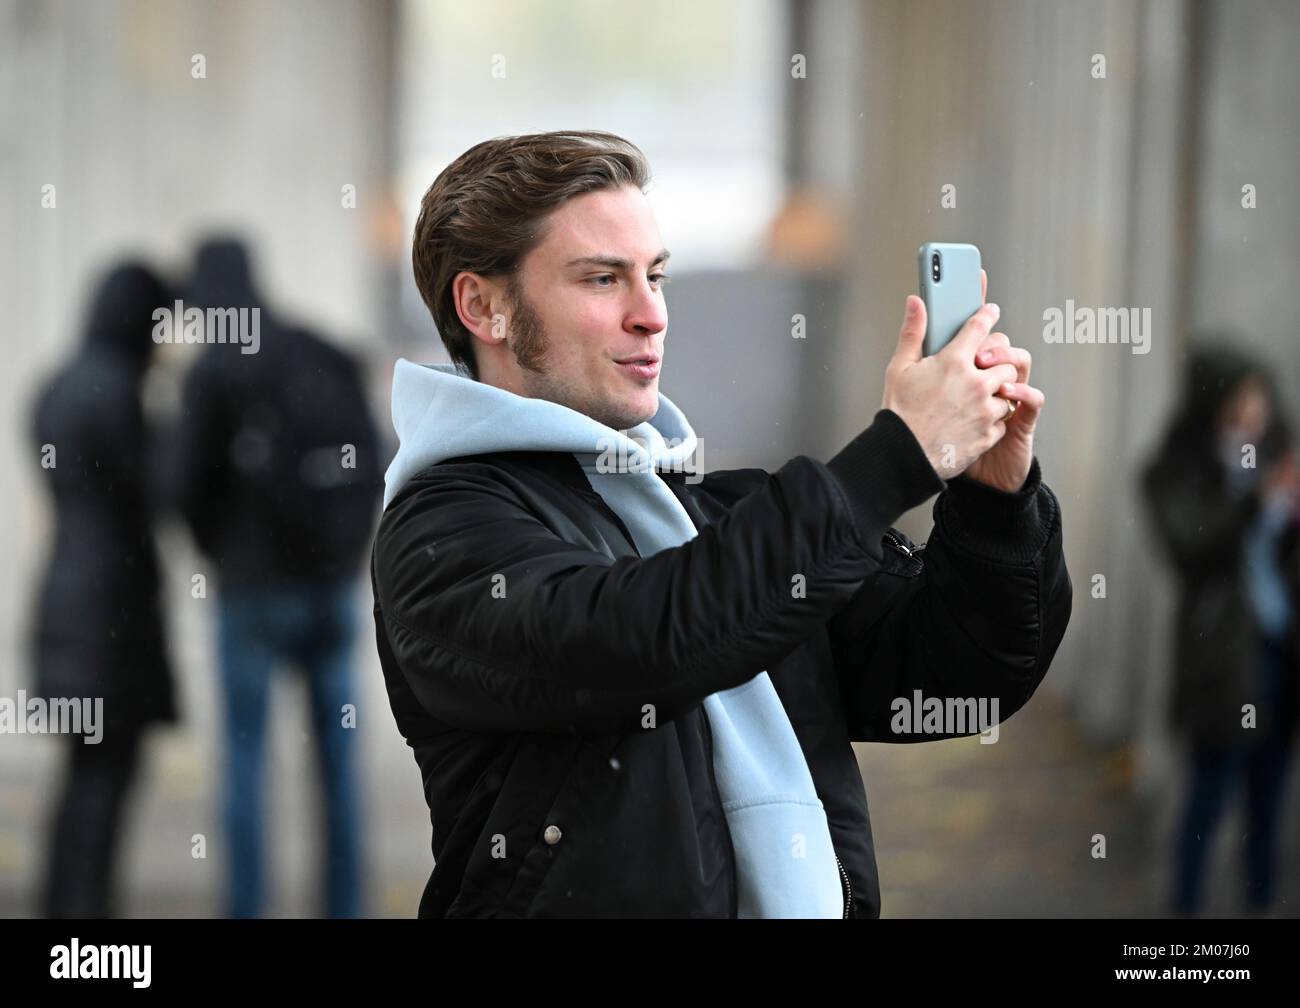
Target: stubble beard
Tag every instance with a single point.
(530, 343)
(530, 346)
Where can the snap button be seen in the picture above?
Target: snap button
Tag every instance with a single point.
(552, 835)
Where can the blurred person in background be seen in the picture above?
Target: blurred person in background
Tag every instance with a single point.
(277, 474)
(98, 628)
(1222, 492)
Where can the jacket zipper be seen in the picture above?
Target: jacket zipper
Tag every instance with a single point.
(848, 887)
(899, 543)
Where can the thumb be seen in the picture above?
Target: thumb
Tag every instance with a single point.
(911, 338)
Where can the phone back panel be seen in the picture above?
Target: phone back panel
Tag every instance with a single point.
(955, 297)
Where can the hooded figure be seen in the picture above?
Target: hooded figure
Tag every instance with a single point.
(98, 630)
(1205, 502)
(262, 470)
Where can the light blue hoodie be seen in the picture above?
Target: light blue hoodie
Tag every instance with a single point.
(785, 861)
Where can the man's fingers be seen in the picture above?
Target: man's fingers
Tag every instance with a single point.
(911, 337)
(972, 335)
(1030, 400)
(999, 375)
(993, 341)
(1005, 354)
(984, 286)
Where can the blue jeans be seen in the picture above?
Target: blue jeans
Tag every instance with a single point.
(310, 626)
(1218, 771)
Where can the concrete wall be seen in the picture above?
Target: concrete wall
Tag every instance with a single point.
(1115, 192)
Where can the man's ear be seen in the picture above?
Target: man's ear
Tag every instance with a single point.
(479, 302)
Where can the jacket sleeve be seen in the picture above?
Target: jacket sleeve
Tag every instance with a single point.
(500, 623)
(977, 613)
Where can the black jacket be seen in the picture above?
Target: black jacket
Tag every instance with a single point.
(520, 636)
(260, 464)
(98, 630)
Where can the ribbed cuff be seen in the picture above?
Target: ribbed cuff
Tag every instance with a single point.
(884, 472)
(993, 522)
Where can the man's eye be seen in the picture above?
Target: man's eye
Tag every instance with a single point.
(656, 277)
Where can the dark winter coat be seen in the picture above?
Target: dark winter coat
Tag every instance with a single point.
(276, 465)
(98, 629)
(548, 796)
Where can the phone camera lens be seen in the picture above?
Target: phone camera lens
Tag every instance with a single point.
(934, 267)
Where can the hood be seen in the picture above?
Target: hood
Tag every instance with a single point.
(441, 413)
(120, 316)
(1213, 373)
(222, 276)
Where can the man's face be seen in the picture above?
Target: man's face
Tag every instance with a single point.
(590, 297)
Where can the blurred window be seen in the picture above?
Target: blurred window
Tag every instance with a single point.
(698, 87)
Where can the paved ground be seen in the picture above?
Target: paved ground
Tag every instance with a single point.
(1005, 830)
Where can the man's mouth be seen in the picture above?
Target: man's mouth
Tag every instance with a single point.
(642, 365)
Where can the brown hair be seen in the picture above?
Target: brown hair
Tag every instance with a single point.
(484, 212)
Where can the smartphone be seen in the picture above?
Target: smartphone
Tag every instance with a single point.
(951, 289)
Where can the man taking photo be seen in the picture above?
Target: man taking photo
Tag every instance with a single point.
(633, 694)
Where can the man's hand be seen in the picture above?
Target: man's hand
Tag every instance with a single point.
(1006, 464)
(949, 404)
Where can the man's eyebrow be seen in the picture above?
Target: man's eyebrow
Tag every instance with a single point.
(615, 262)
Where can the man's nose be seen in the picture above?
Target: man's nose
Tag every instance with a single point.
(649, 314)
